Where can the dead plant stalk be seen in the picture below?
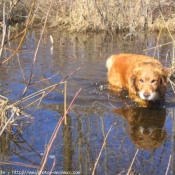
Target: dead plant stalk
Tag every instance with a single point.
(65, 100)
(173, 60)
(42, 91)
(169, 162)
(37, 48)
(132, 162)
(29, 19)
(166, 27)
(54, 134)
(96, 162)
(4, 24)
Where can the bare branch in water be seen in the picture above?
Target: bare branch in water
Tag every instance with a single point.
(54, 134)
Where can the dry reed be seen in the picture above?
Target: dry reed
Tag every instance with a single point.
(54, 134)
(100, 15)
(100, 153)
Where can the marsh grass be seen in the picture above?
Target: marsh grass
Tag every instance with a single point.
(100, 15)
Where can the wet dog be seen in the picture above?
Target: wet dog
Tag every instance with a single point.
(143, 77)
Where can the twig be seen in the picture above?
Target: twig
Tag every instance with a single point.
(53, 165)
(44, 159)
(39, 99)
(157, 42)
(52, 87)
(95, 165)
(166, 26)
(96, 6)
(65, 101)
(18, 35)
(6, 17)
(21, 68)
(45, 79)
(132, 162)
(168, 165)
(170, 36)
(158, 46)
(4, 29)
(7, 122)
(25, 31)
(37, 48)
(172, 85)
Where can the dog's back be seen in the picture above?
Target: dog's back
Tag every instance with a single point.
(110, 62)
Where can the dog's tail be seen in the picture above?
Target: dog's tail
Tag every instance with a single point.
(110, 62)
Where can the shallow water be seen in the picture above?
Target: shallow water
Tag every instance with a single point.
(95, 112)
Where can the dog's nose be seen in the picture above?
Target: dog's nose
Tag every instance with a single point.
(146, 94)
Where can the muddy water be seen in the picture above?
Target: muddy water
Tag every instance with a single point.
(139, 135)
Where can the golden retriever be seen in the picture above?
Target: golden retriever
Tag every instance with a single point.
(143, 77)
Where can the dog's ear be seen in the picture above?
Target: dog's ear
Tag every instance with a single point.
(132, 80)
(163, 74)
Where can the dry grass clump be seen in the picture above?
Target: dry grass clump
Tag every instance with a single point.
(97, 15)
(123, 15)
(9, 114)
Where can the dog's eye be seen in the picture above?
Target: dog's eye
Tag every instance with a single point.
(153, 81)
(141, 81)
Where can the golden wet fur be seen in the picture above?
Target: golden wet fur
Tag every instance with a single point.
(143, 77)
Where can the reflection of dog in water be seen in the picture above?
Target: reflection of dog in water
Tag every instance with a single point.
(145, 126)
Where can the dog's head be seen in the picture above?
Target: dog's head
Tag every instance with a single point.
(149, 81)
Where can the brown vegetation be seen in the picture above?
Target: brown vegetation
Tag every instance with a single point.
(96, 15)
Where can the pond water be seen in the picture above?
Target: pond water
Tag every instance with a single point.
(97, 115)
